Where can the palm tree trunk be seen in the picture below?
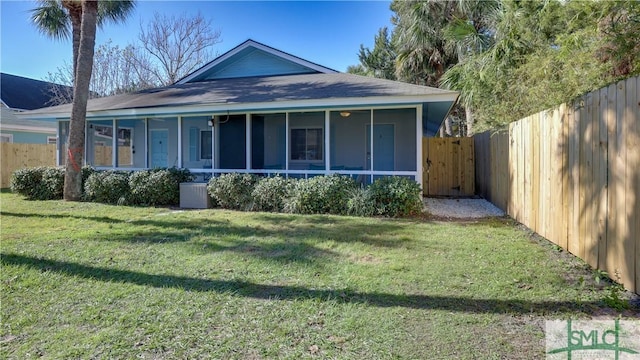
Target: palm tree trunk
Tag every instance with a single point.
(75, 15)
(469, 120)
(75, 153)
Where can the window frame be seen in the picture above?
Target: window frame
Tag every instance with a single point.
(202, 146)
(9, 138)
(320, 144)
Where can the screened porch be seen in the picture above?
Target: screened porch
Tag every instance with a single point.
(362, 143)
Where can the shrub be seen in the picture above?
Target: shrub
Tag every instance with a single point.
(396, 196)
(111, 187)
(269, 193)
(87, 170)
(320, 194)
(43, 183)
(158, 186)
(233, 191)
(360, 203)
(179, 175)
(52, 183)
(27, 182)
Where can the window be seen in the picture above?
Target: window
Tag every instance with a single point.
(8, 138)
(205, 144)
(51, 140)
(306, 144)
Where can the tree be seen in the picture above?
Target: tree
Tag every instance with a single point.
(379, 62)
(423, 55)
(54, 17)
(172, 47)
(113, 73)
(547, 53)
(60, 18)
(84, 64)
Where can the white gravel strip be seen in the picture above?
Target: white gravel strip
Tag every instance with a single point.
(461, 208)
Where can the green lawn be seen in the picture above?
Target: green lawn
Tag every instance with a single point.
(82, 280)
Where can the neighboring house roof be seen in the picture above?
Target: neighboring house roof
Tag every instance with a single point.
(10, 122)
(255, 77)
(20, 93)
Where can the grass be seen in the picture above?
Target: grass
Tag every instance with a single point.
(83, 280)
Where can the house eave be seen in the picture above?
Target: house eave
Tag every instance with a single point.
(284, 105)
(34, 129)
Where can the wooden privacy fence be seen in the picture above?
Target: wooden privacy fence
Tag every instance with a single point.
(18, 156)
(448, 167)
(572, 174)
(103, 155)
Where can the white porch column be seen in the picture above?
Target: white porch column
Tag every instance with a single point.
(179, 142)
(248, 141)
(371, 147)
(146, 143)
(419, 145)
(213, 143)
(327, 140)
(114, 141)
(286, 142)
(216, 139)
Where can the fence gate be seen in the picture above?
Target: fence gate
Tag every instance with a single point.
(448, 167)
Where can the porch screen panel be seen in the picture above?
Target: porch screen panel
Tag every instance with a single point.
(196, 142)
(162, 142)
(63, 141)
(394, 140)
(349, 139)
(231, 141)
(130, 150)
(100, 143)
(268, 141)
(306, 139)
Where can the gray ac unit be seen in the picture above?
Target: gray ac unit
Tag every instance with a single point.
(194, 196)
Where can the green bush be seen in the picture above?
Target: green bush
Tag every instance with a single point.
(43, 183)
(111, 187)
(179, 175)
(40, 183)
(269, 193)
(320, 195)
(233, 191)
(158, 186)
(27, 182)
(360, 203)
(52, 183)
(396, 196)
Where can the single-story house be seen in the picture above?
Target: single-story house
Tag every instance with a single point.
(256, 109)
(18, 94)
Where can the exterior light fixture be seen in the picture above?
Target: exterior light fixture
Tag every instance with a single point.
(211, 121)
(345, 114)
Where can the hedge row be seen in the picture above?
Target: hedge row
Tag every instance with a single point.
(333, 194)
(147, 187)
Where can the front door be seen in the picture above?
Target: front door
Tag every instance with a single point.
(383, 147)
(158, 148)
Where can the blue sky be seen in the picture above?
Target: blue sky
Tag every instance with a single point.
(325, 32)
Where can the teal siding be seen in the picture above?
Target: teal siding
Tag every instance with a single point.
(253, 62)
(23, 137)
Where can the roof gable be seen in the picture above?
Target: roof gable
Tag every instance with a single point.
(22, 93)
(251, 59)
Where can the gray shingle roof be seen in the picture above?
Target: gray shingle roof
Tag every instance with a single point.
(256, 90)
